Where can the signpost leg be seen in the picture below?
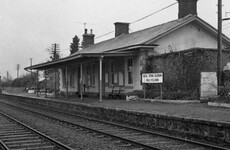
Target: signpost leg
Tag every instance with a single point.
(161, 91)
(144, 90)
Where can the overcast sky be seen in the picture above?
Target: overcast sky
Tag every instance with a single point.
(29, 27)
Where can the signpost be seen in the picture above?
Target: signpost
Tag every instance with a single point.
(153, 78)
(0, 85)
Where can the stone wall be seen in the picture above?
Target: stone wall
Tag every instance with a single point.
(181, 126)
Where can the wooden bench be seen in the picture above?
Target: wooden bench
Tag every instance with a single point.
(116, 93)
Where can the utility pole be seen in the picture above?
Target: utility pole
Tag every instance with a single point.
(55, 57)
(18, 67)
(219, 56)
(7, 76)
(55, 50)
(0, 85)
(55, 75)
(31, 59)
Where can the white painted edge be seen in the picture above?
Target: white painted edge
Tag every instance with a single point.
(165, 101)
(216, 104)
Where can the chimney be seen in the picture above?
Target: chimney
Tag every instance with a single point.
(121, 28)
(88, 39)
(187, 7)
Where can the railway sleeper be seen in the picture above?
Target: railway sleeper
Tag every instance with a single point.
(10, 129)
(112, 131)
(46, 147)
(20, 139)
(128, 134)
(137, 148)
(117, 141)
(20, 135)
(198, 148)
(29, 145)
(14, 133)
(139, 139)
(125, 145)
(3, 126)
(156, 142)
(23, 141)
(185, 147)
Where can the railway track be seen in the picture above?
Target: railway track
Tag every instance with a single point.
(129, 136)
(15, 135)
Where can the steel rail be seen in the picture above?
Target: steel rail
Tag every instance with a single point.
(3, 146)
(136, 129)
(53, 141)
(126, 127)
(96, 131)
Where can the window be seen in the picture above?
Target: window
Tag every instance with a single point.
(130, 70)
(93, 75)
(64, 77)
(112, 72)
(88, 75)
(71, 77)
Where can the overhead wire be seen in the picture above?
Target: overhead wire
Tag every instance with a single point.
(104, 34)
(132, 22)
(141, 18)
(154, 13)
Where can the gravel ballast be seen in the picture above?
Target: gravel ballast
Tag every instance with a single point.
(75, 138)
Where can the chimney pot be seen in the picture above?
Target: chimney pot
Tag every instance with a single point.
(85, 31)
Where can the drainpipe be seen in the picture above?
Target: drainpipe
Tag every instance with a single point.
(101, 59)
(45, 84)
(66, 78)
(37, 83)
(81, 80)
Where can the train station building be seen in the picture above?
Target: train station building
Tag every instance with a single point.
(119, 62)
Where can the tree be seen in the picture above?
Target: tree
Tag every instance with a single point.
(54, 52)
(23, 81)
(74, 47)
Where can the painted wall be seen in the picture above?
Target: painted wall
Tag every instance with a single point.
(120, 75)
(62, 73)
(189, 36)
(95, 87)
(136, 75)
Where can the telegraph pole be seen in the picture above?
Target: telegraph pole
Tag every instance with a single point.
(7, 76)
(0, 85)
(18, 67)
(31, 69)
(219, 56)
(55, 74)
(55, 51)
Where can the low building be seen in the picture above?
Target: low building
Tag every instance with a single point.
(119, 61)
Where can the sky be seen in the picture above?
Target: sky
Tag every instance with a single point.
(29, 27)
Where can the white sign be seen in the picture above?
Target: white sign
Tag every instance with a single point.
(152, 78)
(208, 85)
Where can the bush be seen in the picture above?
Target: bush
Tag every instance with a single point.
(139, 93)
(169, 95)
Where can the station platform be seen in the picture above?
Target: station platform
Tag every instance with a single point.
(194, 110)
